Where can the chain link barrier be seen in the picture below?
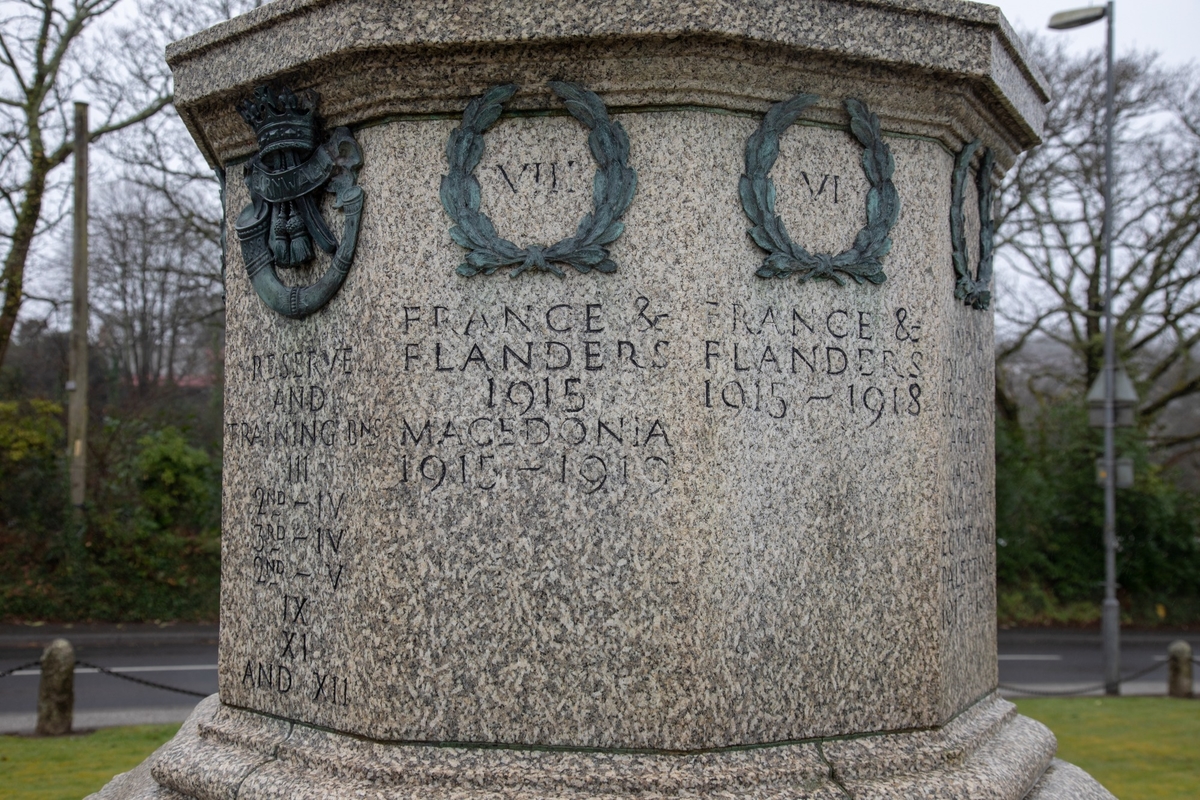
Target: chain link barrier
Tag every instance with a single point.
(20, 667)
(143, 681)
(107, 671)
(1083, 689)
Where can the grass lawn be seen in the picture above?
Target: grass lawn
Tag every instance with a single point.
(1140, 748)
(71, 767)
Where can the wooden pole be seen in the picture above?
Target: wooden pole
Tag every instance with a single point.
(77, 382)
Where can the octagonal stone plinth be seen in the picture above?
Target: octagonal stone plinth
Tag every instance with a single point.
(674, 528)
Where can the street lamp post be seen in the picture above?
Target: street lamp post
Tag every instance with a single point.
(1111, 619)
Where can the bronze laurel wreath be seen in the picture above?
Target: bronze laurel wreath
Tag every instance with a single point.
(972, 290)
(862, 262)
(612, 190)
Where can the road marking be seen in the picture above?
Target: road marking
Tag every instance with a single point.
(1030, 657)
(164, 668)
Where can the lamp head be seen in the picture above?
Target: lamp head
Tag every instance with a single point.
(1078, 17)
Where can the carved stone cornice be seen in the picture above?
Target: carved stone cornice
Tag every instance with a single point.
(962, 68)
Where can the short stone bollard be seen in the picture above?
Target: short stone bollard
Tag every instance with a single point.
(1179, 669)
(56, 692)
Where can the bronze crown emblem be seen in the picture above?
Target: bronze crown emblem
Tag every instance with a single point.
(282, 120)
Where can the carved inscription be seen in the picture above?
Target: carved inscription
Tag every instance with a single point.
(779, 360)
(967, 561)
(553, 398)
(267, 676)
(299, 540)
(533, 378)
(298, 385)
(298, 546)
(821, 187)
(302, 546)
(538, 177)
(319, 687)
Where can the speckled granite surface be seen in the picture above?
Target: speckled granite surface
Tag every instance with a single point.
(988, 752)
(672, 531)
(1063, 780)
(675, 507)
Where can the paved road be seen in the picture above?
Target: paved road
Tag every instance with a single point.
(186, 656)
(1059, 661)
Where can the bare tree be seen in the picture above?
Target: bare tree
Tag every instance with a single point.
(46, 58)
(1051, 233)
(157, 284)
(157, 277)
(160, 154)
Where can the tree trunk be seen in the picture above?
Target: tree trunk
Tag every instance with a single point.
(1006, 407)
(13, 278)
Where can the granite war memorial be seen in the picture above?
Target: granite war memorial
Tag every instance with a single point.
(609, 402)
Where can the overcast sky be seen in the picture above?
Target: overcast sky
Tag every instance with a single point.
(1168, 26)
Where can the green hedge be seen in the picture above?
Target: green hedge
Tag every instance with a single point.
(1050, 518)
(147, 545)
